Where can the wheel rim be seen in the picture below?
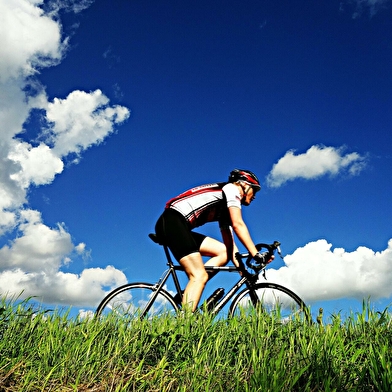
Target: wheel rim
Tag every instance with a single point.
(272, 301)
(131, 303)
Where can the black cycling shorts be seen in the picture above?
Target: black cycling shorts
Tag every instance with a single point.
(173, 229)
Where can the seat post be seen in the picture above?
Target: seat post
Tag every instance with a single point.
(168, 257)
(172, 268)
(155, 238)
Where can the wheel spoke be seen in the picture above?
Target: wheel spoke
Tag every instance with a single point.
(274, 300)
(130, 301)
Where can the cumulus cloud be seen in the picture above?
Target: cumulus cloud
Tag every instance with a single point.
(316, 162)
(316, 272)
(38, 248)
(37, 165)
(86, 289)
(81, 120)
(34, 261)
(30, 39)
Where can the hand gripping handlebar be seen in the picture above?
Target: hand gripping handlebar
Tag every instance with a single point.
(270, 251)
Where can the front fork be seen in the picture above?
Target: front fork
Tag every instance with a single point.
(250, 284)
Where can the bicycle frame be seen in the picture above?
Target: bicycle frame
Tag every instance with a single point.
(173, 268)
(251, 294)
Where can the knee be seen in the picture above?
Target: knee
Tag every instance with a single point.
(200, 276)
(222, 256)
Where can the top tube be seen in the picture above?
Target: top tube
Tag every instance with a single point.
(178, 267)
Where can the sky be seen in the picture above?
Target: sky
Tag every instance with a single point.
(109, 108)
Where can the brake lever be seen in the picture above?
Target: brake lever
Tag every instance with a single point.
(270, 251)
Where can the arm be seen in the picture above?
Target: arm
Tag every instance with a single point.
(228, 240)
(241, 230)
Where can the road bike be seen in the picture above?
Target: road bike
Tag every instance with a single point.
(146, 300)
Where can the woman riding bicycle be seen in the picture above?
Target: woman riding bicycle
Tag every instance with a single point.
(220, 202)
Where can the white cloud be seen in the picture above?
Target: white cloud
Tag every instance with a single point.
(38, 165)
(30, 39)
(38, 248)
(316, 162)
(76, 6)
(33, 262)
(318, 272)
(81, 120)
(372, 6)
(85, 289)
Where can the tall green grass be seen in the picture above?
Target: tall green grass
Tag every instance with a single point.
(49, 351)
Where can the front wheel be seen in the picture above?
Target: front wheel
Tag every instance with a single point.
(272, 299)
(134, 300)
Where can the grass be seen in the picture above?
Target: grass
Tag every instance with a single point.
(49, 351)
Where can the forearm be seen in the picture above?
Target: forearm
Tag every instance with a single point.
(243, 235)
(231, 247)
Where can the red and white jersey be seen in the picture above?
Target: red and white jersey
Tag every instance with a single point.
(207, 203)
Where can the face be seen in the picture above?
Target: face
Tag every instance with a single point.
(249, 196)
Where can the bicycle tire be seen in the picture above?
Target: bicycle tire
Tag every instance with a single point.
(128, 302)
(273, 299)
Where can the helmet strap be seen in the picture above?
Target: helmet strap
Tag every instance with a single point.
(245, 190)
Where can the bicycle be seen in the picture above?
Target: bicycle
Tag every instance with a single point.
(146, 300)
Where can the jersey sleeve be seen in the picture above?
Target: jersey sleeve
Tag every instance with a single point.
(232, 194)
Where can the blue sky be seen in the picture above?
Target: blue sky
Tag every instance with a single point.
(110, 108)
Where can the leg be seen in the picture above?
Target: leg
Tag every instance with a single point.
(186, 247)
(198, 277)
(217, 252)
(214, 249)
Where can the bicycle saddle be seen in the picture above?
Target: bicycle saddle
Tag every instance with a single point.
(156, 239)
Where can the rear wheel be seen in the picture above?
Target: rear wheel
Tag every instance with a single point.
(133, 301)
(270, 298)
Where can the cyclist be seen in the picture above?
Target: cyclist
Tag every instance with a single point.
(220, 202)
